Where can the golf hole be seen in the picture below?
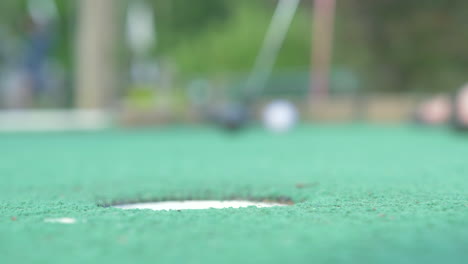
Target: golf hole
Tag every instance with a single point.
(196, 205)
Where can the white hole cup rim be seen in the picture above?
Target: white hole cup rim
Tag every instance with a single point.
(61, 220)
(195, 205)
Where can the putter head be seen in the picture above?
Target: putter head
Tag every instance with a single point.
(230, 116)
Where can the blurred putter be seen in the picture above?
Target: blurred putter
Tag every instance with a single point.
(235, 115)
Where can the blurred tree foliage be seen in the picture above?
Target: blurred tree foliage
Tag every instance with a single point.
(14, 18)
(231, 43)
(178, 20)
(392, 45)
(411, 45)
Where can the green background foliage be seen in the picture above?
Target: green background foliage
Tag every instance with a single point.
(388, 45)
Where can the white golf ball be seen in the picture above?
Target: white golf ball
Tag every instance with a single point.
(280, 116)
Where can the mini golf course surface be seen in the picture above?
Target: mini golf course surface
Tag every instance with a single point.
(364, 194)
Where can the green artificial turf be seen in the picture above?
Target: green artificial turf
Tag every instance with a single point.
(362, 194)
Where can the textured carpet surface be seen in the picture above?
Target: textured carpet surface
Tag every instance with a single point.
(363, 194)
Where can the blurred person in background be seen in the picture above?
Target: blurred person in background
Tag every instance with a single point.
(39, 39)
(434, 111)
(442, 109)
(460, 108)
(25, 74)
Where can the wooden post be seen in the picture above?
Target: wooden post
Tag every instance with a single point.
(95, 54)
(322, 47)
